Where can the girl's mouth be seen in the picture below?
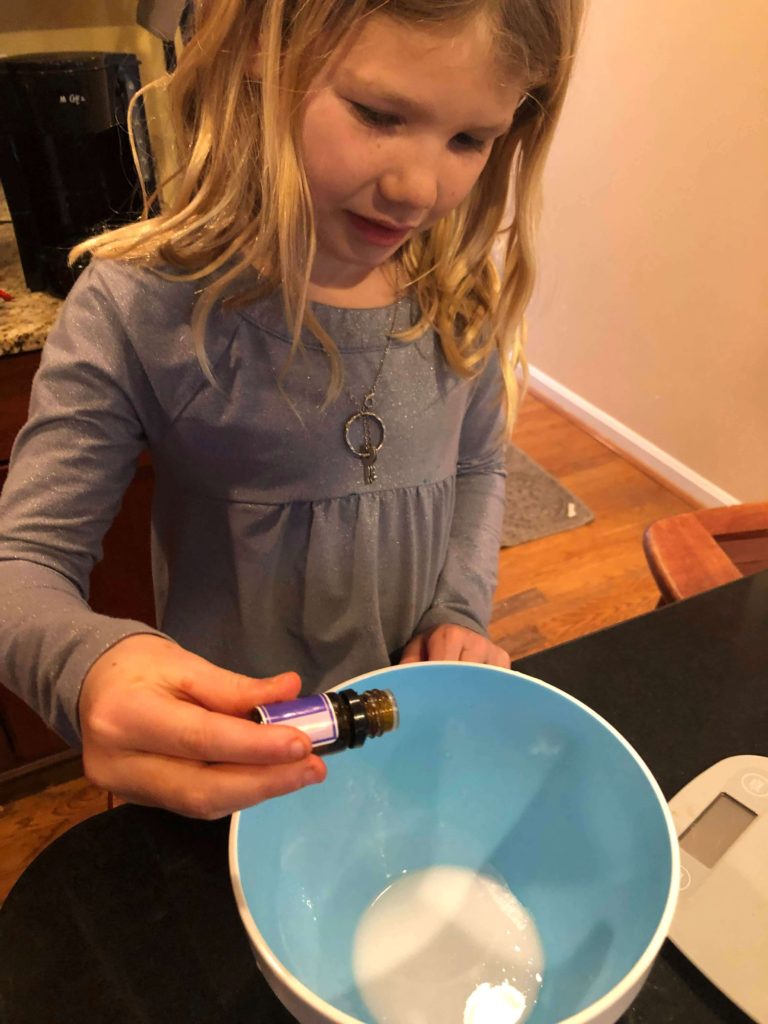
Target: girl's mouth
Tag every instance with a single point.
(376, 233)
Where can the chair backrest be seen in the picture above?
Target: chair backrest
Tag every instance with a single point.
(697, 551)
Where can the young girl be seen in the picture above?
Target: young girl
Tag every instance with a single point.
(313, 341)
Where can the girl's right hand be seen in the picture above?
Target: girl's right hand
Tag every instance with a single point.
(166, 728)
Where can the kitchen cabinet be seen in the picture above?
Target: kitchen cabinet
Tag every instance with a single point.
(31, 754)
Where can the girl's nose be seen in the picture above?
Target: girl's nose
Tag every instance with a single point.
(411, 188)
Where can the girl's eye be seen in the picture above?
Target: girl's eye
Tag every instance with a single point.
(470, 142)
(374, 117)
(377, 119)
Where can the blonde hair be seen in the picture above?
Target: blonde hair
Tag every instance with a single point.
(241, 198)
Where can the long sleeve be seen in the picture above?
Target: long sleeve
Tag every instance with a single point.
(257, 511)
(70, 466)
(467, 582)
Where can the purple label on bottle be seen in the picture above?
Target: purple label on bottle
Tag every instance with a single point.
(313, 715)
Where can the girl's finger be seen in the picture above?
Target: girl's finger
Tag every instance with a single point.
(448, 644)
(163, 724)
(207, 791)
(499, 657)
(414, 650)
(484, 652)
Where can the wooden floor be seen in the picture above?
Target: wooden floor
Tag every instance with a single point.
(549, 591)
(562, 587)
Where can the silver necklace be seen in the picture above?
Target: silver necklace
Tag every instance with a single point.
(364, 421)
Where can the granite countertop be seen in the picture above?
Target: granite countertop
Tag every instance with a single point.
(26, 320)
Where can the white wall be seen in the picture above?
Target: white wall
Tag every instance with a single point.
(650, 319)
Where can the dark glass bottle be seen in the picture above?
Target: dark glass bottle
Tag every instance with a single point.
(337, 720)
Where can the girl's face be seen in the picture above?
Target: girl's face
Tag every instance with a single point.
(397, 128)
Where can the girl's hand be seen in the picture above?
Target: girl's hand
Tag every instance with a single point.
(166, 728)
(454, 643)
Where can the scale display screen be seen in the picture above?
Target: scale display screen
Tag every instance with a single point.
(716, 829)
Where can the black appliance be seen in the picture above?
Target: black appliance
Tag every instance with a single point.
(65, 156)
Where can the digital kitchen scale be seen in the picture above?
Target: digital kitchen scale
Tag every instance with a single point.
(721, 922)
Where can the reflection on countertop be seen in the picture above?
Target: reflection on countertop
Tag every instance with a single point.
(28, 317)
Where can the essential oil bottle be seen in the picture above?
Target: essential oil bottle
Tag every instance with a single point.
(337, 720)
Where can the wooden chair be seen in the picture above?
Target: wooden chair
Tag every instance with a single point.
(696, 551)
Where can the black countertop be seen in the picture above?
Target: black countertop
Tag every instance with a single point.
(686, 685)
(129, 917)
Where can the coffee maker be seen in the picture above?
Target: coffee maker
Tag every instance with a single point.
(65, 157)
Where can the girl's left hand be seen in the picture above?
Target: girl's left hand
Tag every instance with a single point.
(454, 643)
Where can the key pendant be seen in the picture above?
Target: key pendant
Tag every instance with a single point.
(368, 455)
(366, 448)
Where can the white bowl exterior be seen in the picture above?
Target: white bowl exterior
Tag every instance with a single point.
(308, 1014)
(301, 1010)
(310, 1010)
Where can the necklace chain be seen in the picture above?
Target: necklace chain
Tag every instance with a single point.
(364, 419)
(368, 397)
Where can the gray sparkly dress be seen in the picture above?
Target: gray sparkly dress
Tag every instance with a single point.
(270, 551)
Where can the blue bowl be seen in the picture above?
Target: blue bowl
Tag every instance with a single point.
(492, 771)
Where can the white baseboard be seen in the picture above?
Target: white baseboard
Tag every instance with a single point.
(663, 465)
